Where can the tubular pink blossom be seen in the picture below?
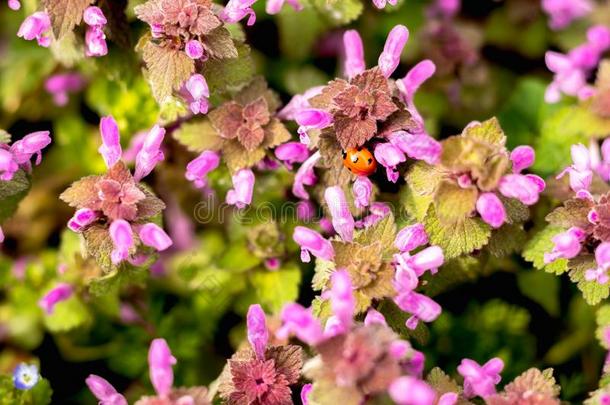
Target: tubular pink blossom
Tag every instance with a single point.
(274, 6)
(243, 185)
(258, 334)
(111, 142)
(305, 176)
(362, 190)
(522, 157)
(374, 317)
(36, 26)
(59, 293)
(411, 237)
(342, 218)
(197, 88)
(305, 394)
(8, 166)
(602, 257)
(394, 44)
(150, 154)
(567, 245)
(14, 4)
(160, 362)
(311, 118)
(93, 16)
(81, 219)
(235, 10)
(104, 391)
(419, 146)
(30, 145)
(448, 398)
(1, 235)
(480, 380)
(389, 156)
(409, 390)
(419, 306)
(297, 103)
(341, 297)
(354, 54)
(563, 12)
(405, 278)
(300, 322)
(523, 188)
(60, 85)
(122, 238)
(198, 168)
(421, 72)
(194, 49)
(95, 42)
(312, 242)
(292, 152)
(154, 236)
(306, 210)
(378, 211)
(491, 209)
(429, 258)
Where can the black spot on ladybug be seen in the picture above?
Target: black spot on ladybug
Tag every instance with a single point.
(354, 159)
(370, 160)
(349, 168)
(344, 153)
(359, 148)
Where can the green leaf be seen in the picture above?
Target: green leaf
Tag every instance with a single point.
(538, 245)
(223, 75)
(339, 12)
(5, 137)
(453, 273)
(487, 131)
(11, 193)
(592, 291)
(457, 239)
(276, 288)
(238, 258)
(298, 27)
(453, 203)
(441, 382)
(506, 240)
(168, 69)
(602, 318)
(542, 288)
(113, 281)
(384, 232)
(40, 394)
(198, 135)
(68, 315)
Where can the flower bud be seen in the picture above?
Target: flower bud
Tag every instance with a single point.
(160, 362)
(122, 238)
(522, 157)
(111, 143)
(93, 16)
(354, 54)
(390, 57)
(154, 236)
(243, 185)
(150, 154)
(491, 209)
(258, 334)
(104, 391)
(194, 49)
(411, 237)
(59, 293)
(342, 218)
(198, 168)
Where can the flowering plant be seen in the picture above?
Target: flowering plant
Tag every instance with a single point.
(304, 202)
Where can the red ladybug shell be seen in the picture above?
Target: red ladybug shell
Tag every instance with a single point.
(359, 161)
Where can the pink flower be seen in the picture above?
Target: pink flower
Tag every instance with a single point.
(306, 210)
(567, 245)
(374, 317)
(36, 26)
(418, 146)
(122, 238)
(104, 391)
(300, 322)
(480, 380)
(28, 146)
(522, 158)
(1, 235)
(81, 219)
(409, 390)
(354, 54)
(95, 42)
(111, 142)
(378, 211)
(235, 10)
(389, 156)
(160, 362)
(150, 154)
(602, 257)
(580, 171)
(243, 185)
(429, 258)
(8, 166)
(14, 4)
(419, 306)
(491, 209)
(59, 293)
(394, 44)
(305, 176)
(94, 17)
(298, 103)
(311, 118)
(411, 82)
(198, 92)
(305, 394)
(525, 188)
(194, 49)
(362, 190)
(312, 242)
(341, 297)
(342, 218)
(198, 168)
(292, 152)
(60, 85)
(445, 8)
(258, 334)
(154, 236)
(448, 398)
(563, 12)
(411, 237)
(274, 6)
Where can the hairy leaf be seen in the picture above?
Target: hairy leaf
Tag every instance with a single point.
(168, 69)
(65, 14)
(538, 245)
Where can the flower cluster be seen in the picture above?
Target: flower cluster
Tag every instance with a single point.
(95, 39)
(110, 207)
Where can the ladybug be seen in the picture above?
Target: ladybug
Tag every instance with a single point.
(359, 161)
